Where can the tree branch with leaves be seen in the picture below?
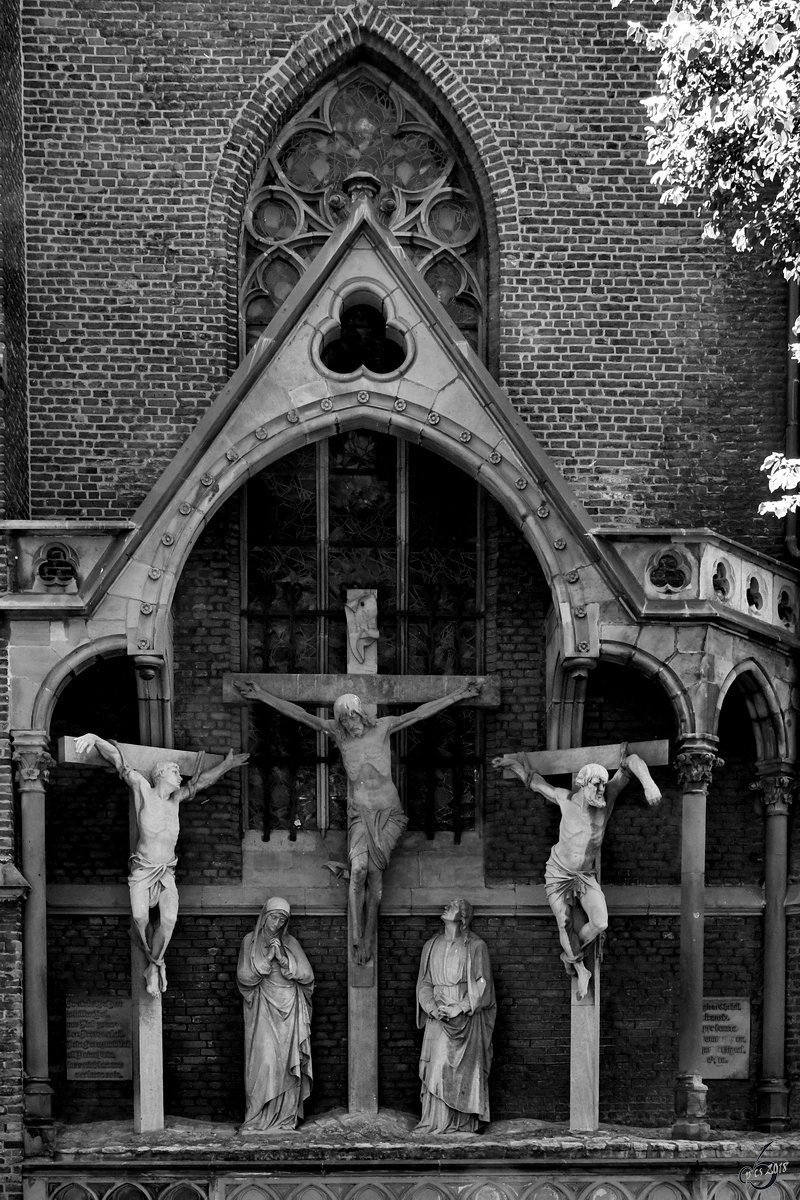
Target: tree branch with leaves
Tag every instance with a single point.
(725, 128)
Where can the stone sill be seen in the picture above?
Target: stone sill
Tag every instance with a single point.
(385, 1145)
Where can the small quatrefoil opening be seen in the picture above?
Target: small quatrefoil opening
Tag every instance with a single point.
(365, 339)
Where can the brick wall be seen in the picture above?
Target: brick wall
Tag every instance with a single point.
(517, 601)
(793, 1014)
(11, 1050)
(13, 323)
(207, 632)
(642, 845)
(202, 1011)
(609, 304)
(203, 1038)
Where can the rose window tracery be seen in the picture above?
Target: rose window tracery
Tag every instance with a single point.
(362, 122)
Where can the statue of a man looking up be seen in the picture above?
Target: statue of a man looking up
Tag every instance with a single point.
(571, 873)
(375, 818)
(152, 865)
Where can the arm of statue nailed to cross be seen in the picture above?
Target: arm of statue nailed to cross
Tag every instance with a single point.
(108, 750)
(254, 691)
(632, 764)
(517, 764)
(468, 690)
(202, 780)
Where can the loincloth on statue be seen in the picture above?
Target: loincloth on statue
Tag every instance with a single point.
(566, 884)
(154, 878)
(374, 832)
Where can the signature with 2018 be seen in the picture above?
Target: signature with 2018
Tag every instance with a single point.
(764, 1171)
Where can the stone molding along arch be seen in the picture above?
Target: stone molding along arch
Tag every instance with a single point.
(65, 670)
(162, 555)
(624, 654)
(773, 739)
(336, 41)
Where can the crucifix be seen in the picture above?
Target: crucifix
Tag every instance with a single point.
(571, 882)
(153, 777)
(375, 819)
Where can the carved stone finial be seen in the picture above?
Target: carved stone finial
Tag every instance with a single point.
(695, 768)
(777, 793)
(362, 184)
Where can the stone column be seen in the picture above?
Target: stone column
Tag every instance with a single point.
(33, 763)
(773, 1094)
(694, 765)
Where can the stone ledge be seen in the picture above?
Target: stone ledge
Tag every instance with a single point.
(529, 900)
(337, 1141)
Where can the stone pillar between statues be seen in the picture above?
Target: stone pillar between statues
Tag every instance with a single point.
(32, 760)
(776, 786)
(694, 763)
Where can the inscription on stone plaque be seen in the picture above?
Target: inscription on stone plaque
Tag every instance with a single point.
(726, 1038)
(98, 1038)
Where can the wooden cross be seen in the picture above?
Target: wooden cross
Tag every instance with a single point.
(146, 1025)
(372, 689)
(584, 1064)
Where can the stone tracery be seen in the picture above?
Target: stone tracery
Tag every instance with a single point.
(362, 122)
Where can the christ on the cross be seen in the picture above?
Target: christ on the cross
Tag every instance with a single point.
(152, 865)
(375, 818)
(571, 871)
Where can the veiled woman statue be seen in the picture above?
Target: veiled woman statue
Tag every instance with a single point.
(456, 1006)
(276, 982)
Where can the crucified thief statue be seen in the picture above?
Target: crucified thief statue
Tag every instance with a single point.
(375, 819)
(570, 874)
(152, 865)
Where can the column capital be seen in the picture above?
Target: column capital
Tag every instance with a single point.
(32, 758)
(777, 792)
(695, 762)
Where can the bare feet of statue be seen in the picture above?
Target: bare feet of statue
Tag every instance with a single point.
(362, 952)
(569, 965)
(584, 979)
(151, 980)
(162, 977)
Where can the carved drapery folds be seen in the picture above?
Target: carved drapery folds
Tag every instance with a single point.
(362, 123)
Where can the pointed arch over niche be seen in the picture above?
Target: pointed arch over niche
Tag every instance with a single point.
(364, 122)
(364, 33)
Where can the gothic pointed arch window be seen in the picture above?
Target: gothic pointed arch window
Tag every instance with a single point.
(363, 121)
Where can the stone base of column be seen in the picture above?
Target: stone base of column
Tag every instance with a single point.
(772, 1113)
(38, 1130)
(690, 1109)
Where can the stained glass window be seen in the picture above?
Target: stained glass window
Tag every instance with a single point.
(363, 121)
(364, 510)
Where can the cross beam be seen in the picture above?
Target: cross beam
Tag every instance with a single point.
(392, 690)
(569, 762)
(142, 758)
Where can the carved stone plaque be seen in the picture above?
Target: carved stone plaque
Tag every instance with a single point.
(726, 1038)
(98, 1038)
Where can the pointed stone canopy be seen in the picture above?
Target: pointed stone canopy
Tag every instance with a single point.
(283, 397)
